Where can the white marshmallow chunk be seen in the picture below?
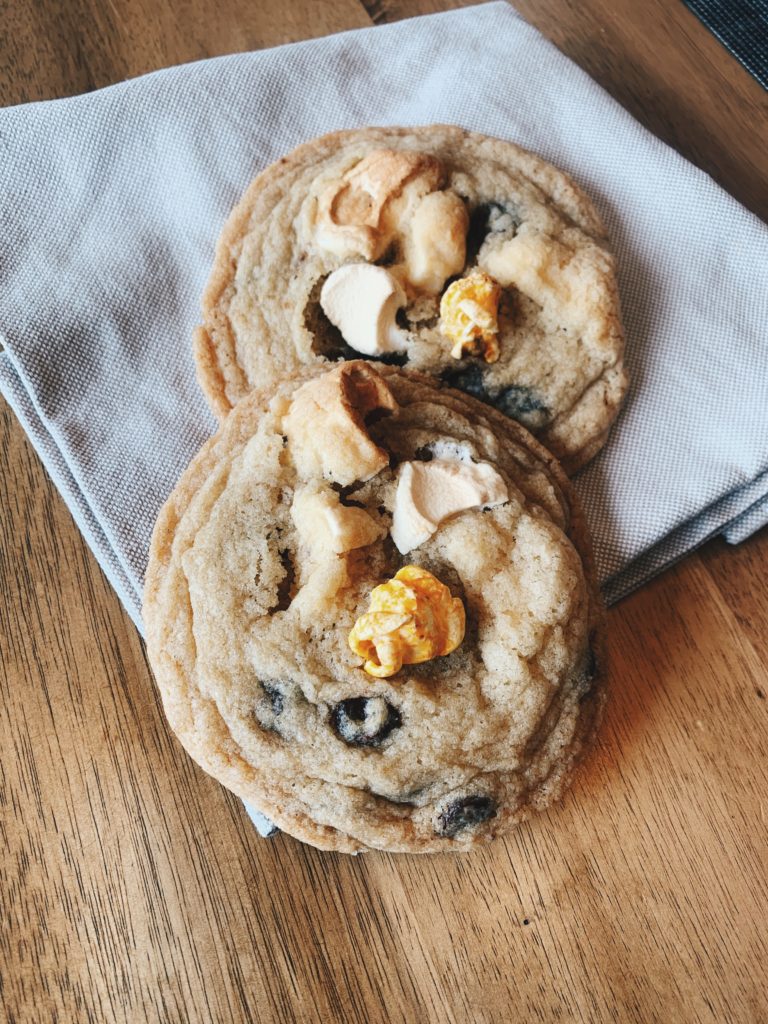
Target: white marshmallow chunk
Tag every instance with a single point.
(430, 492)
(362, 300)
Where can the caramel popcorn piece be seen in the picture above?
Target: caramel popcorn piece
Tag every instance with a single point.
(469, 316)
(412, 618)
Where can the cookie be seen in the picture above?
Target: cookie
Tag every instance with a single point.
(471, 260)
(371, 613)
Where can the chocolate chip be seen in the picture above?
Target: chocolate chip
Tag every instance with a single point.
(424, 454)
(401, 319)
(274, 697)
(344, 493)
(388, 358)
(490, 219)
(269, 706)
(391, 255)
(464, 813)
(365, 721)
(518, 402)
(285, 588)
(470, 379)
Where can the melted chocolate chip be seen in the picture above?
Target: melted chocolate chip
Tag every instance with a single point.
(286, 584)
(488, 219)
(388, 358)
(518, 402)
(391, 255)
(344, 493)
(365, 721)
(274, 697)
(464, 813)
(401, 319)
(469, 378)
(269, 706)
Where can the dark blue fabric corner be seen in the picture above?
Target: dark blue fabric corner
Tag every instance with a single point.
(742, 27)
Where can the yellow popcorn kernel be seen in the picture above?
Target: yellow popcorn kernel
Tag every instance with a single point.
(412, 618)
(469, 316)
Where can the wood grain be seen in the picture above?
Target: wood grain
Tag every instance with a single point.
(133, 887)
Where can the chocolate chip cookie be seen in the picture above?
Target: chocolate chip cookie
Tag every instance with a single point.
(433, 248)
(371, 613)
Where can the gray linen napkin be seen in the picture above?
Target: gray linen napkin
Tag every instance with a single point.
(110, 205)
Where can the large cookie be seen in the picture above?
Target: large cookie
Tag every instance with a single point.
(427, 205)
(258, 602)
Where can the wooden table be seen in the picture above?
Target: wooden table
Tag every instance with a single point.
(133, 886)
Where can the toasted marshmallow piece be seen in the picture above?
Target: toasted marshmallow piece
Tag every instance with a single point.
(351, 211)
(362, 300)
(430, 492)
(325, 424)
(395, 196)
(436, 241)
(569, 285)
(325, 526)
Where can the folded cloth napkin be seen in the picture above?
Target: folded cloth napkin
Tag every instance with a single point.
(110, 205)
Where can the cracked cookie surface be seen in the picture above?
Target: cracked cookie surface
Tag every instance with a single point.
(503, 211)
(262, 561)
